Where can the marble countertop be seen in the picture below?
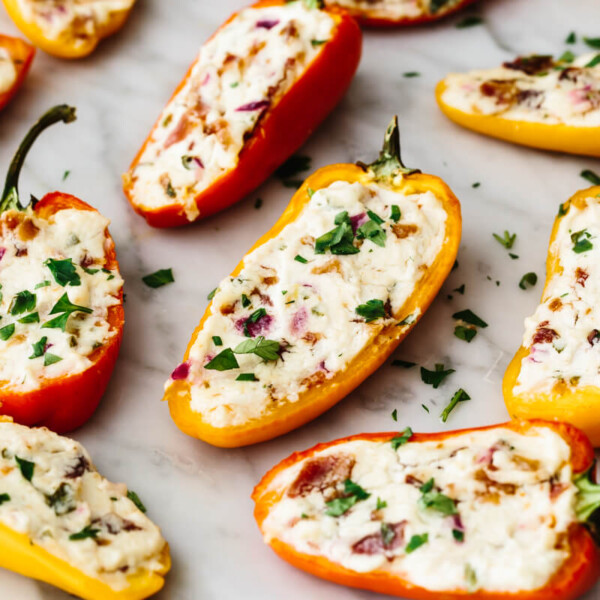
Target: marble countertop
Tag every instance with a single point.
(198, 494)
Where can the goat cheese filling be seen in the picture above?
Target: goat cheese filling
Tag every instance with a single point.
(51, 492)
(241, 73)
(537, 89)
(55, 294)
(396, 9)
(309, 300)
(483, 510)
(72, 19)
(563, 334)
(8, 71)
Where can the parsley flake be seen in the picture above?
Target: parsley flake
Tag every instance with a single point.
(416, 541)
(224, 361)
(592, 177)
(159, 278)
(507, 239)
(265, 349)
(435, 377)
(23, 302)
(26, 467)
(87, 532)
(529, 279)
(136, 500)
(581, 241)
(63, 271)
(371, 310)
(459, 396)
(6, 332)
(465, 333)
(469, 317)
(402, 438)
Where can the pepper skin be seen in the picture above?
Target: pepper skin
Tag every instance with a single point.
(558, 137)
(62, 404)
(22, 55)
(65, 46)
(368, 16)
(579, 406)
(280, 131)
(18, 554)
(316, 400)
(576, 575)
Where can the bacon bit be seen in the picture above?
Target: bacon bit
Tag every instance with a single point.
(331, 266)
(556, 489)
(181, 371)
(526, 97)
(316, 378)
(252, 106)
(507, 488)
(266, 24)
(322, 473)
(27, 230)
(581, 276)
(20, 251)
(227, 309)
(562, 541)
(505, 91)
(411, 480)
(299, 321)
(263, 297)
(78, 469)
(530, 64)
(270, 280)
(544, 335)
(307, 240)
(555, 304)
(527, 464)
(402, 231)
(375, 544)
(594, 337)
(312, 338)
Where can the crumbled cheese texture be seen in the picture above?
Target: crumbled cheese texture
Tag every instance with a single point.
(73, 20)
(241, 73)
(396, 9)
(51, 492)
(41, 336)
(306, 303)
(8, 71)
(483, 510)
(537, 89)
(563, 334)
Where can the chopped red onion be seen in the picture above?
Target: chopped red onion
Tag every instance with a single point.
(2, 252)
(266, 24)
(357, 220)
(181, 371)
(299, 321)
(256, 105)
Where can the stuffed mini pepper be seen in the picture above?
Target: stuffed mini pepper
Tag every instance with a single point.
(61, 522)
(396, 13)
(68, 28)
(491, 513)
(534, 100)
(61, 302)
(319, 302)
(556, 372)
(15, 60)
(258, 88)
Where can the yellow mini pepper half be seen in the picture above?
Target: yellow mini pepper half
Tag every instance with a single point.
(80, 34)
(564, 396)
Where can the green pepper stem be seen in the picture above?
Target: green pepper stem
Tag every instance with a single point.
(588, 496)
(10, 195)
(389, 164)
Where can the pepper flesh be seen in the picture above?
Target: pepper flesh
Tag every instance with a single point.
(315, 400)
(369, 18)
(281, 130)
(21, 53)
(579, 406)
(576, 575)
(65, 403)
(64, 46)
(556, 137)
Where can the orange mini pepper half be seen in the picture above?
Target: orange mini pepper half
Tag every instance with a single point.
(61, 403)
(283, 119)
(18, 56)
(323, 388)
(331, 473)
(82, 25)
(534, 101)
(383, 13)
(547, 379)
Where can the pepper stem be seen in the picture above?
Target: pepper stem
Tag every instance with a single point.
(588, 496)
(10, 195)
(389, 164)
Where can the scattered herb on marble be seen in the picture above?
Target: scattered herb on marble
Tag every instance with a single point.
(291, 168)
(529, 279)
(159, 278)
(258, 203)
(476, 184)
(459, 396)
(435, 377)
(469, 21)
(395, 414)
(507, 239)
(592, 42)
(513, 256)
(66, 174)
(571, 38)
(405, 364)
(465, 333)
(469, 317)
(410, 74)
(592, 177)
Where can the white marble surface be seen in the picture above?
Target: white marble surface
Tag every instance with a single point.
(199, 494)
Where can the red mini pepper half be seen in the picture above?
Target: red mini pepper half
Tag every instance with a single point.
(20, 54)
(281, 127)
(66, 402)
(327, 472)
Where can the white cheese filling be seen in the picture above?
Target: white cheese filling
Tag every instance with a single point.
(557, 93)
(76, 20)
(396, 9)
(563, 335)
(309, 301)
(8, 71)
(512, 494)
(51, 492)
(34, 253)
(240, 74)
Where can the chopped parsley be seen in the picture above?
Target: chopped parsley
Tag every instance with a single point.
(371, 310)
(50, 359)
(507, 239)
(44, 283)
(300, 259)
(4, 498)
(465, 333)
(246, 302)
(23, 302)
(265, 349)
(224, 361)
(460, 289)
(416, 541)
(529, 279)
(458, 535)
(435, 377)
(159, 278)
(87, 532)
(372, 230)
(39, 348)
(6, 332)
(63, 271)
(353, 488)
(66, 307)
(469, 317)
(211, 295)
(253, 318)
(30, 318)
(217, 341)
(571, 38)
(594, 62)
(469, 21)
(434, 500)
(316, 43)
(258, 203)
(66, 174)
(395, 414)
(567, 57)
(592, 177)
(513, 256)
(340, 239)
(402, 438)
(291, 168)
(26, 467)
(476, 184)
(246, 377)
(136, 500)
(405, 364)
(381, 504)
(581, 241)
(459, 396)
(411, 74)
(354, 493)
(592, 42)
(395, 213)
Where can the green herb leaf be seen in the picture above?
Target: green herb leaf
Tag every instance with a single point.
(258, 203)
(30, 318)
(458, 535)
(594, 62)
(23, 302)
(416, 541)
(590, 176)
(381, 504)
(371, 230)
(405, 364)
(513, 256)
(339, 506)
(476, 184)
(159, 278)
(265, 349)
(507, 239)
(43, 284)
(434, 500)
(65, 305)
(59, 322)
(581, 241)
(293, 166)
(410, 74)
(136, 500)
(465, 333)
(300, 259)
(246, 302)
(246, 377)
(571, 38)
(212, 294)
(87, 532)
(63, 271)
(371, 310)
(4, 498)
(50, 359)
(459, 396)
(253, 318)
(39, 348)
(469, 21)
(6, 332)
(356, 490)
(395, 214)
(436, 377)
(224, 361)
(469, 317)
(26, 467)
(217, 341)
(395, 414)
(316, 43)
(592, 42)
(529, 279)
(567, 57)
(402, 438)
(340, 239)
